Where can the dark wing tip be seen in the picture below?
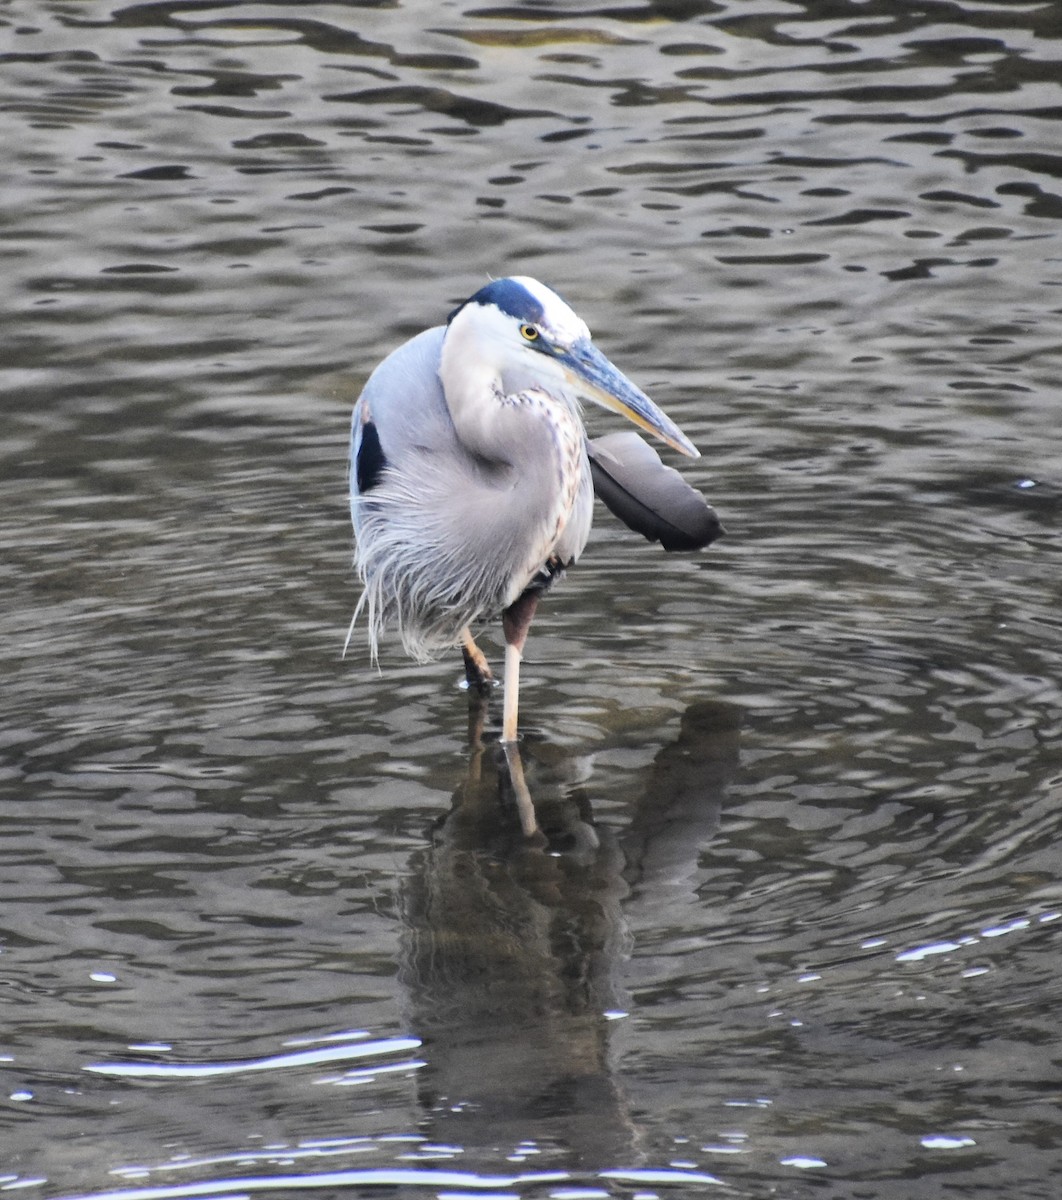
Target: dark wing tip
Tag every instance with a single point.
(649, 497)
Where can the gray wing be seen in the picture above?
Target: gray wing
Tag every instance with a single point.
(649, 497)
(402, 408)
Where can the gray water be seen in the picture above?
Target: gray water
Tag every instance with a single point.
(268, 923)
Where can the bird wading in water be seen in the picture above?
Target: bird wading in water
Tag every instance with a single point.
(472, 479)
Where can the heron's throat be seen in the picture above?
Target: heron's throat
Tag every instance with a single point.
(475, 396)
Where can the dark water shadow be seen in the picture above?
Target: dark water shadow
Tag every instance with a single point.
(514, 948)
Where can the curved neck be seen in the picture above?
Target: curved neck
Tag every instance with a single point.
(472, 385)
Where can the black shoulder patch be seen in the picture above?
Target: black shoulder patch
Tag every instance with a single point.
(371, 461)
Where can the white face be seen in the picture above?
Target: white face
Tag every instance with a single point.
(512, 351)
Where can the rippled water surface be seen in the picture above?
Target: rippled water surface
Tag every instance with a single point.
(268, 923)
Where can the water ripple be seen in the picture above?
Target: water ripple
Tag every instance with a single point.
(369, 1178)
(300, 1058)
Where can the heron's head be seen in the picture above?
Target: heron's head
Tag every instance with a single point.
(530, 335)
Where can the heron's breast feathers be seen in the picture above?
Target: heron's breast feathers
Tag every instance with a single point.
(445, 541)
(552, 467)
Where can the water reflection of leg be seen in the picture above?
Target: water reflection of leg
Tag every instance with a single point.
(480, 681)
(511, 949)
(514, 947)
(524, 804)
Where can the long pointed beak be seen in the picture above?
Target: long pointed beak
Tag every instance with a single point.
(593, 376)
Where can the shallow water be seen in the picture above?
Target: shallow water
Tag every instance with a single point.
(268, 923)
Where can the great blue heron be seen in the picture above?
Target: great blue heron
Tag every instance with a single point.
(472, 480)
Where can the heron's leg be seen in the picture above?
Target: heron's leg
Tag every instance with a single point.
(511, 702)
(516, 621)
(477, 669)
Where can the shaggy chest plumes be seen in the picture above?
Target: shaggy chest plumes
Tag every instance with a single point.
(440, 553)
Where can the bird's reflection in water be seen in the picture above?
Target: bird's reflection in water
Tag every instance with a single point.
(514, 946)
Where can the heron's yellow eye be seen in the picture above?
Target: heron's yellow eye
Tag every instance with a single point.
(529, 333)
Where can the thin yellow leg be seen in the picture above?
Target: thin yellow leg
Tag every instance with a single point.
(516, 621)
(512, 693)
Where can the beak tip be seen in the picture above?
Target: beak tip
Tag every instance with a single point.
(585, 365)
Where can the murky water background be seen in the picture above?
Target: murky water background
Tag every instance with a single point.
(266, 925)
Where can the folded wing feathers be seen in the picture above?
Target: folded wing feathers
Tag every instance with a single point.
(649, 497)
